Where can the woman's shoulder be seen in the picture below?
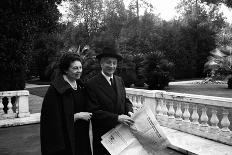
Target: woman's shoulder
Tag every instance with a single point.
(51, 90)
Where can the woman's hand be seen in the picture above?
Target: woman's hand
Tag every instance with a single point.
(82, 115)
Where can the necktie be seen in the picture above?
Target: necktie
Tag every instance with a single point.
(112, 82)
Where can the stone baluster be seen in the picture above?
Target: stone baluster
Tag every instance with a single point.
(17, 105)
(165, 112)
(179, 114)
(186, 116)
(164, 108)
(159, 109)
(137, 101)
(10, 113)
(1, 108)
(140, 104)
(9, 106)
(131, 99)
(225, 131)
(127, 95)
(214, 129)
(195, 117)
(171, 112)
(204, 119)
(142, 100)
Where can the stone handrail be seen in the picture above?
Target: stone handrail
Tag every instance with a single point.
(14, 104)
(204, 116)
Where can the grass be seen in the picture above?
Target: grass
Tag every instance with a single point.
(39, 91)
(219, 90)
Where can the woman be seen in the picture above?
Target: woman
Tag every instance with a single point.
(64, 104)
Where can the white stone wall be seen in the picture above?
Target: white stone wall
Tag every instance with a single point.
(16, 104)
(204, 116)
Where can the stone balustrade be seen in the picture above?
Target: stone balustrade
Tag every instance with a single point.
(14, 104)
(204, 116)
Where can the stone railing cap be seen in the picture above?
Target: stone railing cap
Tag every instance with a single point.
(14, 93)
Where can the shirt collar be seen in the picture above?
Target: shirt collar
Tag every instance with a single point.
(107, 77)
(74, 86)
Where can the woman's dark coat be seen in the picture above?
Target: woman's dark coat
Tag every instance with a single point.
(57, 127)
(106, 103)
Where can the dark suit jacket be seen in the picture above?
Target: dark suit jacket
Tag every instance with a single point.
(106, 104)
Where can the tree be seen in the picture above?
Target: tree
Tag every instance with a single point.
(156, 70)
(226, 2)
(46, 50)
(88, 12)
(202, 26)
(220, 62)
(76, 36)
(115, 17)
(22, 21)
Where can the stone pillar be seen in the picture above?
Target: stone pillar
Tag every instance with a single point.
(23, 105)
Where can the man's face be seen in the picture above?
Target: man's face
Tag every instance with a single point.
(74, 71)
(108, 65)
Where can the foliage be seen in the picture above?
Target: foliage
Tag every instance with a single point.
(226, 2)
(21, 22)
(188, 40)
(126, 69)
(90, 13)
(115, 17)
(45, 53)
(224, 37)
(229, 83)
(75, 36)
(220, 62)
(156, 69)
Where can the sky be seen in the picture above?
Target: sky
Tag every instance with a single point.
(166, 8)
(167, 11)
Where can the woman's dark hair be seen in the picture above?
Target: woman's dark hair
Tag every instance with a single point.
(65, 61)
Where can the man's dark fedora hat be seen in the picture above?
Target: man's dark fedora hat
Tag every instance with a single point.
(109, 52)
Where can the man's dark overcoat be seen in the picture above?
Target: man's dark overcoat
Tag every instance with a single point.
(106, 103)
(59, 134)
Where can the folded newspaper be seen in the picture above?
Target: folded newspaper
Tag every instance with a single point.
(145, 137)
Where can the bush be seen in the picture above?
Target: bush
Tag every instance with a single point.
(45, 54)
(229, 82)
(139, 82)
(21, 22)
(157, 80)
(12, 78)
(128, 77)
(156, 70)
(12, 64)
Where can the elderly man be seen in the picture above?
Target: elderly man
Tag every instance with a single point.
(107, 99)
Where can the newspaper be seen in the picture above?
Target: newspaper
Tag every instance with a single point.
(145, 137)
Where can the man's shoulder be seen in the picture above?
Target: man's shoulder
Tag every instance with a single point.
(117, 77)
(93, 79)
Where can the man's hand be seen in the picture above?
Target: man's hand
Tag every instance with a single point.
(130, 113)
(82, 115)
(124, 119)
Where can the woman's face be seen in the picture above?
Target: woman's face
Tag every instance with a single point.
(74, 71)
